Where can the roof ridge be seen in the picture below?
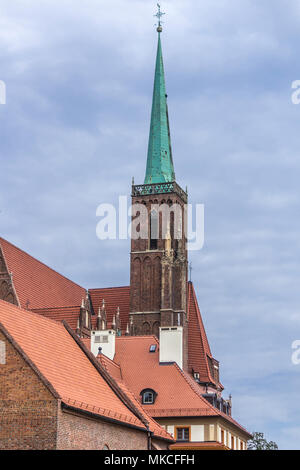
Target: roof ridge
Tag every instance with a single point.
(107, 288)
(110, 360)
(34, 310)
(40, 262)
(138, 337)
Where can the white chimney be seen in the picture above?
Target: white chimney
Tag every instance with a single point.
(104, 339)
(171, 345)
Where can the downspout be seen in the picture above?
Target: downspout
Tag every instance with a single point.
(149, 434)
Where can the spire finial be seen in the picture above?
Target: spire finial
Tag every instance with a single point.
(158, 15)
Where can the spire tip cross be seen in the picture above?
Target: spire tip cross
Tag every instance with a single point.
(158, 15)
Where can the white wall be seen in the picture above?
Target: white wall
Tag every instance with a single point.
(106, 340)
(197, 433)
(171, 345)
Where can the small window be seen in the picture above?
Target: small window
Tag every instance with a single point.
(152, 348)
(148, 396)
(183, 434)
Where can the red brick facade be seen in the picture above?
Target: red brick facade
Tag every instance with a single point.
(27, 408)
(158, 274)
(32, 418)
(76, 432)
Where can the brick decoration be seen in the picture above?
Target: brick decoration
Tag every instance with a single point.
(27, 408)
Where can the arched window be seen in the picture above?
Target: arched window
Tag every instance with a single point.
(154, 230)
(148, 396)
(146, 329)
(155, 329)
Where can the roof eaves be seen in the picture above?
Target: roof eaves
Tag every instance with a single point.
(98, 416)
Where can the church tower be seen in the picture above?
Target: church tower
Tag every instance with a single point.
(159, 260)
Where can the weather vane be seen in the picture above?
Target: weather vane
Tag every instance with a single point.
(158, 15)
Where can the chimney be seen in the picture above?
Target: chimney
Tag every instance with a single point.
(171, 345)
(103, 342)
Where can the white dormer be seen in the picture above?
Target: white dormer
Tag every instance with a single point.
(104, 339)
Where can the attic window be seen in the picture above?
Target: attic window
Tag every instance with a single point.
(148, 396)
(152, 348)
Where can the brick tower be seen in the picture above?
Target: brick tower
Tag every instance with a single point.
(158, 274)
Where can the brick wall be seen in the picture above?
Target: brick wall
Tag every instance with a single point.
(78, 432)
(28, 411)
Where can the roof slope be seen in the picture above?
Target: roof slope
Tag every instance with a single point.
(115, 370)
(68, 314)
(199, 349)
(37, 285)
(141, 370)
(177, 393)
(61, 361)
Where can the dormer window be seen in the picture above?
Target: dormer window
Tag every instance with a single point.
(148, 396)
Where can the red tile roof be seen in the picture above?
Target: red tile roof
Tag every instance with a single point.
(177, 393)
(114, 297)
(112, 368)
(56, 297)
(63, 364)
(37, 285)
(199, 350)
(115, 370)
(68, 314)
(49, 293)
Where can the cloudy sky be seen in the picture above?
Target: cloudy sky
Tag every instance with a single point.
(74, 131)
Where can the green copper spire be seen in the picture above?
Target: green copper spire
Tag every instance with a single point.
(160, 167)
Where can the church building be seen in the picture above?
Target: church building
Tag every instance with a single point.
(144, 344)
